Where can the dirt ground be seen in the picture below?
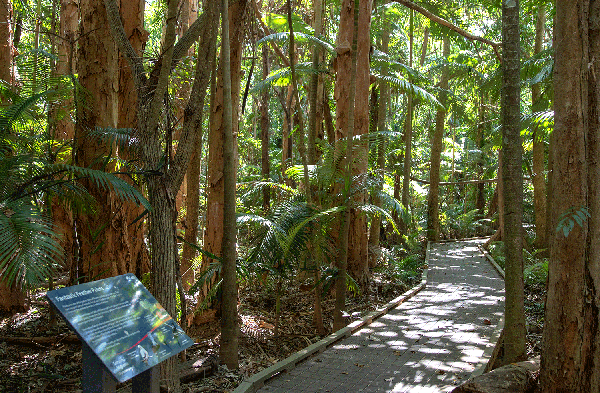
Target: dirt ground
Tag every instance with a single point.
(36, 357)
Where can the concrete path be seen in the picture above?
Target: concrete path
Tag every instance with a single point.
(430, 343)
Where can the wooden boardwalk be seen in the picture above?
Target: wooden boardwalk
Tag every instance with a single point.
(430, 343)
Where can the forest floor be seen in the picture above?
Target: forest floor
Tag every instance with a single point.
(38, 358)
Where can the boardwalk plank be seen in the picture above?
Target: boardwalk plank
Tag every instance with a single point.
(428, 344)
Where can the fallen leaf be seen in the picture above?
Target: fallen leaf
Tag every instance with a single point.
(487, 321)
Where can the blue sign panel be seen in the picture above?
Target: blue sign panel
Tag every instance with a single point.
(122, 323)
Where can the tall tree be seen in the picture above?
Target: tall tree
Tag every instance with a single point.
(263, 107)
(164, 181)
(408, 130)
(357, 254)
(512, 179)
(12, 299)
(342, 263)
(570, 351)
(382, 109)
(228, 349)
(101, 251)
(213, 236)
(136, 257)
(539, 147)
(437, 146)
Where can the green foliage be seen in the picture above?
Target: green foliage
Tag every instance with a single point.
(279, 23)
(536, 274)
(574, 215)
(29, 178)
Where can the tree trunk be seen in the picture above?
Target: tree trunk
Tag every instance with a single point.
(12, 299)
(213, 237)
(437, 146)
(358, 265)
(408, 128)
(102, 253)
(314, 85)
(286, 143)
(353, 9)
(263, 106)
(382, 106)
(228, 348)
(480, 201)
(539, 154)
(7, 49)
(512, 179)
(137, 257)
(570, 351)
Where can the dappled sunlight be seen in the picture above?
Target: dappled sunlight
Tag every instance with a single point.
(428, 344)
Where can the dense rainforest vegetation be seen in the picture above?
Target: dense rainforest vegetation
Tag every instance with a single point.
(287, 143)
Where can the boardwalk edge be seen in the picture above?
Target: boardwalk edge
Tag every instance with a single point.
(492, 349)
(256, 381)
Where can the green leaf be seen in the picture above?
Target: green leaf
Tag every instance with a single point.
(279, 23)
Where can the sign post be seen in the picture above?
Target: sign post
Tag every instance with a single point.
(125, 333)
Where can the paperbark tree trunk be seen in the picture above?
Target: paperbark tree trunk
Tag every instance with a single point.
(408, 128)
(101, 252)
(354, 8)
(539, 153)
(228, 348)
(213, 236)
(382, 106)
(480, 201)
(164, 182)
(358, 265)
(263, 106)
(137, 258)
(570, 352)
(12, 298)
(437, 146)
(512, 179)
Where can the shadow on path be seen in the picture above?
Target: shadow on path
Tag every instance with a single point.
(430, 343)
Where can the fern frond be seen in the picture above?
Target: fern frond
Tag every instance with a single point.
(405, 86)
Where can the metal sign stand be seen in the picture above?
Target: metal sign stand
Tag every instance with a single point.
(97, 379)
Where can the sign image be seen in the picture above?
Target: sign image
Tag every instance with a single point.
(122, 323)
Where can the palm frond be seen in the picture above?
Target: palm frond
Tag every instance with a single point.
(105, 180)
(298, 37)
(405, 86)
(29, 247)
(282, 77)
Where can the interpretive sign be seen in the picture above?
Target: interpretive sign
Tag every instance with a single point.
(122, 323)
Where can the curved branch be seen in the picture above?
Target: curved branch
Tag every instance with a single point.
(409, 4)
(189, 37)
(118, 33)
(264, 29)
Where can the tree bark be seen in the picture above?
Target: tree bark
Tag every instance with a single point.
(164, 182)
(12, 298)
(408, 129)
(512, 180)
(449, 25)
(539, 146)
(437, 146)
(353, 8)
(215, 205)
(570, 351)
(263, 107)
(137, 258)
(358, 265)
(382, 106)
(479, 140)
(101, 251)
(228, 348)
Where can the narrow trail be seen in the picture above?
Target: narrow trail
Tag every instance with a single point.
(430, 343)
